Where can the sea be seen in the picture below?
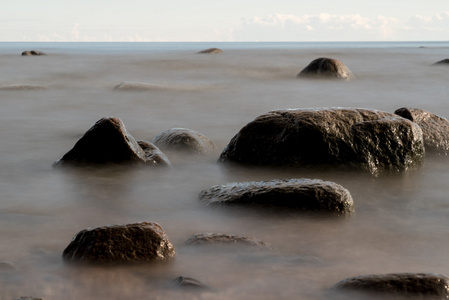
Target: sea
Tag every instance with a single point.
(48, 102)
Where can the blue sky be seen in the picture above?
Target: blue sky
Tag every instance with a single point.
(231, 20)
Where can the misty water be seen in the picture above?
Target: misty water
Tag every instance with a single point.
(400, 224)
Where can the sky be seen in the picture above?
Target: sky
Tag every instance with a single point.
(230, 20)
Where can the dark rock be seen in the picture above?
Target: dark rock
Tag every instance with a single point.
(108, 142)
(211, 51)
(442, 62)
(308, 194)
(435, 128)
(189, 283)
(326, 68)
(7, 266)
(130, 243)
(399, 284)
(29, 298)
(225, 239)
(185, 140)
(153, 153)
(359, 139)
(32, 53)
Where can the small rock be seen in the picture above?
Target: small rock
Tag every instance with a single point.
(29, 298)
(185, 140)
(32, 53)
(211, 51)
(130, 243)
(326, 68)
(19, 87)
(139, 86)
(435, 129)
(307, 194)
(399, 284)
(7, 266)
(152, 153)
(225, 239)
(442, 62)
(189, 283)
(108, 141)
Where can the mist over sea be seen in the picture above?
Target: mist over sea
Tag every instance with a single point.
(401, 222)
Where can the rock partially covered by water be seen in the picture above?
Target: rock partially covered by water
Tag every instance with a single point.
(22, 86)
(211, 51)
(328, 68)
(435, 128)
(154, 154)
(225, 239)
(185, 140)
(442, 62)
(117, 244)
(189, 283)
(307, 194)
(108, 141)
(361, 139)
(399, 284)
(139, 86)
(32, 53)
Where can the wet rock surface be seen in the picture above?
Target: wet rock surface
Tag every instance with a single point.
(225, 239)
(185, 140)
(211, 51)
(189, 283)
(348, 138)
(108, 141)
(118, 244)
(431, 285)
(435, 128)
(327, 68)
(304, 194)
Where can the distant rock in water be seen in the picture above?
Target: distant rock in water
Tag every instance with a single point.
(442, 62)
(20, 87)
(139, 86)
(211, 51)
(434, 286)
(118, 244)
(225, 239)
(328, 68)
(32, 53)
(435, 128)
(186, 140)
(303, 194)
(347, 138)
(108, 141)
(189, 283)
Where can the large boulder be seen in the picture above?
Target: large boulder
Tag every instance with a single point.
(435, 128)
(307, 194)
(117, 244)
(362, 139)
(184, 140)
(435, 286)
(328, 68)
(108, 141)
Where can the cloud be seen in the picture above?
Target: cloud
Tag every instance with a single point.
(334, 27)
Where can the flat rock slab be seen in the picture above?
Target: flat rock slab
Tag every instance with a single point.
(306, 194)
(435, 128)
(108, 141)
(399, 284)
(327, 68)
(367, 140)
(226, 239)
(186, 140)
(118, 244)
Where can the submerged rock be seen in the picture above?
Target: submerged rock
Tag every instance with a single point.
(328, 68)
(400, 284)
(140, 86)
(32, 53)
(19, 87)
(153, 153)
(435, 128)
(211, 51)
(189, 283)
(360, 139)
(130, 243)
(185, 140)
(225, 239)
(307, 194)
(108, 141)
